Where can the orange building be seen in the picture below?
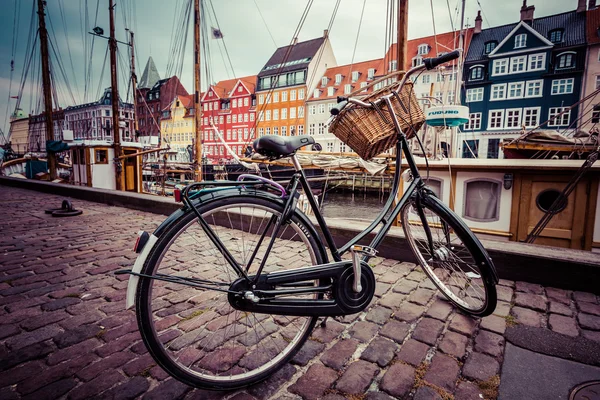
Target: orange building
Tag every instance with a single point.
(284, 83)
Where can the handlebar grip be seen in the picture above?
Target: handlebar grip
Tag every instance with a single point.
(336, 110)
(431, 63)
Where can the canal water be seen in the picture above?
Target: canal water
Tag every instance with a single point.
(357, 205)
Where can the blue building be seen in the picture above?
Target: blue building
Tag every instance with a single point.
(521, 75)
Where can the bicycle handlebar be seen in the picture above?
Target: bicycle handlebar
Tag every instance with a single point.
(431, 63)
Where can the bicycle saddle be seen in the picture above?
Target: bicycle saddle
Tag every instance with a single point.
(274, 146)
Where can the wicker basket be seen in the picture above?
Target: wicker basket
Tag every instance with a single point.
(370, 134)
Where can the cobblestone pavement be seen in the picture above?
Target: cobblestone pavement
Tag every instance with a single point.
(64, 330)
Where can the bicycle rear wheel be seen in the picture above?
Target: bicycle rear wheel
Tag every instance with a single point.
(450, 255)
(193, 333)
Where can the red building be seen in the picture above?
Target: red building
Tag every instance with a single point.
(231, 106)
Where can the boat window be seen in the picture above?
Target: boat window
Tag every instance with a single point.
(436, 185)
(546, 199)
(482, 200)
(101, 156)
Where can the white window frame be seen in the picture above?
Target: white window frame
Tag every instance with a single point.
(474, 123)
(516, 86)
(330, 90)
(536, 58)
(355, 75)
(560, 83)
(520, 41)
(284, 113)
(292, 112)
(276, 114)
(530, 84)
(474, 68)
(275, 97)
(324, 81)
(519, 116)
(338, 79)
(312, 110)
(520, 60)
(564, 54)
(322, 108)
(300, 111)
(371, 73)
(501, 117)
(553, 111)
(474, 95)
(423, 49)
(292, 95)
(524, 117)
(426, 78)
(316, 93)
(268, 115)
(498, 64)
(283, 97)
(499, 85)
(347, 88)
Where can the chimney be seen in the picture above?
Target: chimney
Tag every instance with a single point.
(295, 41)
(326, 32)
(478, 20)
(581, 6)
(527, 12)
(592, 4)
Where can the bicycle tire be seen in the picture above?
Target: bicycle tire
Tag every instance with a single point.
(160, 348)
(450, 279)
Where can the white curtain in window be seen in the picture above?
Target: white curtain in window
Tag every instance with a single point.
(481, 201)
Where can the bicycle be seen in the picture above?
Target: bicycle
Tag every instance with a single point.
(219, 299)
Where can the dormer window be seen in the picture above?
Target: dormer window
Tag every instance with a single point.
(338, 79)
(565, 61)
(393, 65)
(347, 88)
(355, 76)
(423, 49)
(324, 81)
(330, 91)
(417, 61)
(520, 41)
(556, 36)
(476, 74)
(316, 93)
(489, 46)
(371, 73)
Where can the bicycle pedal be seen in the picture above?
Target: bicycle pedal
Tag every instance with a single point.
(366, 250)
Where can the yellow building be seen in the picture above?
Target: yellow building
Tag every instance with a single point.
(19, 131)
(177, 128)
(285, 82)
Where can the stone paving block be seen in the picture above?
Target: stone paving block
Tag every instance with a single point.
(382, 288)
(428, 330)
(505, 293)
(53, 391)
(592, 335)
(417, 276)
(406, 286)
(527, 287)
(338, 355)
(395, 330)
(468, 391)
(454, 344)
(426, 393)
(392, 300)
(67, 353)
(562, 324)
(105, 364)
(489, 343)
(493, 323)
(357, 378)
(363, 331)
(378, 315)
(309, 350)
(560, 295)
(169, 389)
(443, 372)
(526, 316)
(463, 324)
(502, 309)
(97, 385)
(533, 301)
(314, 382)
(21, 372)
(36, 336)
(441, 309)
(480, 366)
(506, 282)
(9, 330)
(409, 312)
(380, 351)
(588, 321)
(329, 333)
(130, 389)
(560, 308)
(413, 352)
(77, 335)
(584, 297)
(589, 308)
(398, 380)
(421, 296)
(271, 385)
(30, 352)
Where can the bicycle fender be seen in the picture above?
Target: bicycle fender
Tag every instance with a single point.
(137, 268)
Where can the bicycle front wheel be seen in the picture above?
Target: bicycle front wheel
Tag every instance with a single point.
(450, 255)
(193, 333)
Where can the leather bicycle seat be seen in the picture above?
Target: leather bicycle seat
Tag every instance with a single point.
(274, 146)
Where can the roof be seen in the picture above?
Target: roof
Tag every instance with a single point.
(346, 71)
(572, 22)
(593, 26)
(150, 76)
(223, 88)
(445, 42)
(299, 57)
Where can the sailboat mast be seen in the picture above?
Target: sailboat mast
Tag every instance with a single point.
(402, 33)
(133, 83)
(197, 108)
(112, 44)
(47, 87)
(459, 64)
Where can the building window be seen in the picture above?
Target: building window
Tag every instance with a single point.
(562, 86)
(515, 90)
(275, 97)
(284, 113)
(330, 147)
(393, 65)
(520, 41)
(496, 119)
(316, 93)
(493, 148)
(311, 129)
(347, 88)
(235, 117)
(531, 117)
(268, 130)
(474, 122)
(300, 129)
(596, 114)
(284, 131)
(300, 94)
(482, 200)
(556, 36)
(324, 81)
(417, 61)
(371, 73)
(338, 79)
(513, 118)
(498, 92)
(363, 85)
(489, 47)
(474, 95)
(321, 128)
(537, 62)
(292, 112)
(300, 111)
(355, 76)
(534, 88)
(470, 148)
(565, 61)
(275, 114)
(251, 117)
(423, 49)
(261, 131)
(275, 130)
(554, 119)
(312, 110)
(283, 97)
(517, 64)
(261, 99)
(426, 78)
(101, 156)
(292, 95)
(228, 119)
(476, 74)
(322, 108)
(451, 97)
(500, 67)
(267, 116)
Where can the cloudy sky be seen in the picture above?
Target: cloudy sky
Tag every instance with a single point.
(249, 40)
